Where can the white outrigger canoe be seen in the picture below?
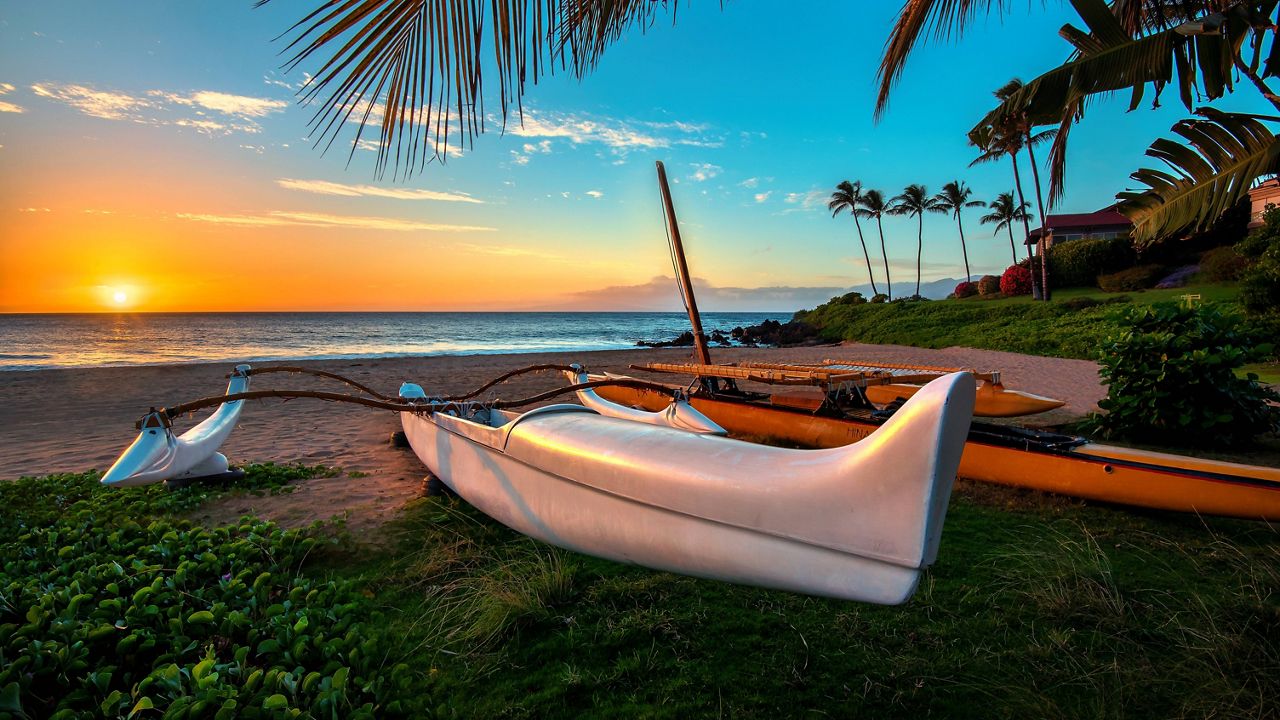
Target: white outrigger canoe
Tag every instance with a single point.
(157, 455)
(858, 522)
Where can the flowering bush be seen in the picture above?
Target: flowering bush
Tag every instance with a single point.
(1015, 281)
(988, 285)
(966, 289)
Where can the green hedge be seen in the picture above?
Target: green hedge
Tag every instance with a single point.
(1078, 263)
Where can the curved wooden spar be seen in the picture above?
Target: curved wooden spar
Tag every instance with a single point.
(857, 522)
(679, 414)
(157, 455)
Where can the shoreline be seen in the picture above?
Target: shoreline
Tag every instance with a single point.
(77, 419)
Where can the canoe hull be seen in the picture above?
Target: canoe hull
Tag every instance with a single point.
(600, 486)
(992, 400)
(1093, 472)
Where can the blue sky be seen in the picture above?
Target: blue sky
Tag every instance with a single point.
(177, 116)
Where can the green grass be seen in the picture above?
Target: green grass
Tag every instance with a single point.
(1038, 607)
(1268, 373)
(1068, 326)
(1048, 609)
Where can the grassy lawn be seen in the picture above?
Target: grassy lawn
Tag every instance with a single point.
(1072, 325)
(1038, 607)
(1268, 373)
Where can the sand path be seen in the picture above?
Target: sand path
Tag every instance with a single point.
(74, 420)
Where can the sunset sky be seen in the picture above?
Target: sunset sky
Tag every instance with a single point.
(153, 157)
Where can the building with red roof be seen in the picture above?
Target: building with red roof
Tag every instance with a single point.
(1105, 223)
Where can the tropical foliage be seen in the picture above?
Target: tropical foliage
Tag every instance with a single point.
(1078, 263)
(1004, 213)
(1260, 281)
(848, 196)
(112, 606)
(1016, 280)
(1172, 378)
(955, 196)
(915, 201)
(872, 205)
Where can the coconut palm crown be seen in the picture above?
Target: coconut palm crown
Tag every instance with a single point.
(846, 197)
(915, 201)
(955, 197)
(872, 205)
(1005, 211)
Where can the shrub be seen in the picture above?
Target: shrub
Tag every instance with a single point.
(1015, 281)
(966, 289)
(988, 285)
(1260, 282)
(112, 606)
(879, 298)
(850, 298)
(1171, 379)
(1223, 264)
(1078, 263)
(1141, 277)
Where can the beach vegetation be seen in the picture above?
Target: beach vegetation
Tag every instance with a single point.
(1223, 264)
(1260, 279)
(989, 285)
(873, 206)
(1005, 211)
(1016, 280)
(1137, 278)
(965, 289)
(1078, 263)
(955, 197)
(848, 196)
(1172, 377)
(915, 201)
(112, 605)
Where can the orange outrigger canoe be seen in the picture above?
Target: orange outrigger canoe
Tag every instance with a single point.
(1019, 457)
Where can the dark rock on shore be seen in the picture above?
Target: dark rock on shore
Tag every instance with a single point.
(794, 333)
(684, 340)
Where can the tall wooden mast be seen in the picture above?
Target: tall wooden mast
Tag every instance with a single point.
(682, 269)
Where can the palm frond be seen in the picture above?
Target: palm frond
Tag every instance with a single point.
(1225, 152)
(415, 69)
(941, 19)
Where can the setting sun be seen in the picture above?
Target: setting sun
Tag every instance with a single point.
(120, 297)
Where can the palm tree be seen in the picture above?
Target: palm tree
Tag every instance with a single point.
(1022, 122)
(997, 143)
(954, 198)
(846, 197)
(1004, 213)
(915, 201)
(872, 205)
(415, 70)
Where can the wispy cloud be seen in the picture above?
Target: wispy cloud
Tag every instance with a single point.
(761, 197)
(324, 187)
(5, 89)
(595, 194)
(750, 183)
(279, 218)
(704, 171)
(236, 105)
(809, 200)
(618, 135)
(238, 113)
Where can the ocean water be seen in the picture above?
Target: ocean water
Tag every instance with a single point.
(35, 342)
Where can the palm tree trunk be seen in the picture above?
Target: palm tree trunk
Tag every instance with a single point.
(1044, 260)
(888, 281)
(865, 254)
(1012, 248)
(919, 248)
(1026, 225)
(968, 277)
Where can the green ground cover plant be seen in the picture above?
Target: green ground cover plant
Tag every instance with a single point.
(1171, 377)
(1073, 325)
(111, 605)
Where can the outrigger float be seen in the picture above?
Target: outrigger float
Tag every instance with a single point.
(662, 488)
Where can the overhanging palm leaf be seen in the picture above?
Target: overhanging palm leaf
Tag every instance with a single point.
(1227, 152)
(415, 68)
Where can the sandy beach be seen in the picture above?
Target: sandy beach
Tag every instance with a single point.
(80, 419)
